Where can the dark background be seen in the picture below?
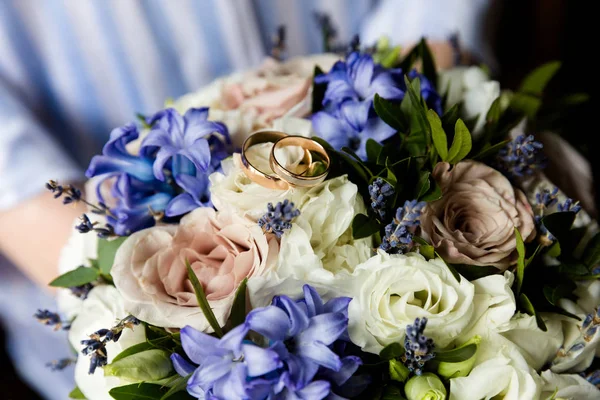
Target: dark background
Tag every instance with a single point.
(529, 33)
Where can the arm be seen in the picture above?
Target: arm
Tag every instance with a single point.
(33, 225)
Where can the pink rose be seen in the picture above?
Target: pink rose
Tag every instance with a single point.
(474, 221)
(223, 249)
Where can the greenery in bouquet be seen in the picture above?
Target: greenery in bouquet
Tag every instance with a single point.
(436, 261)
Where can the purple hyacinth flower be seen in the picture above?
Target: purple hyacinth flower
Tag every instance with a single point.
(360, 78)
(226, 365)
(185, 136)
(351, 126)
(196, 195)
(301, 336)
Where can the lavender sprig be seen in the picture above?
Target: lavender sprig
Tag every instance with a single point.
(278, 218)
(418, 347)
(380, 192)
(96, 344)
(521, 157)
(50, 318)
(73, 195)
(59, 365)
(399, 233)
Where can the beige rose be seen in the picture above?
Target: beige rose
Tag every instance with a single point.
(474, 221)
(222, 248)
(255, 99)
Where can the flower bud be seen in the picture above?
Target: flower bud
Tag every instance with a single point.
(425, 387)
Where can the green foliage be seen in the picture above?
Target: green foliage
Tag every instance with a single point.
(440, 141)
(238, 309)
(106, 253)
(77, 277)
(527, 306)
(318, 92)
(178, 385)
(136, 348)
(76, 394)
(458, 354)
(520, 260)
(202, 301)
(363, 226)
(466, 353)
(145, 391)
(148, 365)
(461, 145)
(398, 371)
(392, 351)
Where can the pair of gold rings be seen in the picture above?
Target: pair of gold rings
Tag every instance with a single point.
(313, 168)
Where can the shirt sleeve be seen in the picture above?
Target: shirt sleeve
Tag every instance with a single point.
(406, 21)
(29, 156)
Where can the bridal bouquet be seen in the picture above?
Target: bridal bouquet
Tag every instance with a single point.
(332, 228)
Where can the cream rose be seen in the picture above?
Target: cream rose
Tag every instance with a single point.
(318, 249)
(473, 223)
(222, 248)
(102, 308)
(390, 291)
(472, 86)
(253, 100)
(568, 387)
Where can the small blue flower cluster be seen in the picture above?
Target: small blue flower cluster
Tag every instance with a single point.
(50, 318)
(278, 218)
(399, 233)
(545, 199)
(521, 157)
(300, 360)
(168, 176)
(418, 347)
(72, 194)
(96, 344)
(348, 118)
(380, 192)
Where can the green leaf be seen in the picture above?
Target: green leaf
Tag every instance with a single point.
(559, 225)
(373, 150)
(423, 184)
(144, 391)
(554, 294)
(363, 226)
(149, 365)
(457, 355)
(536, 81)
(202, 301)
(419, 112)
(238, 309)
(426, 250)
(136, 348)
(389, 112)
(77, 277)
(488, 151)
(434, 193)
(527, 306)
(472, 272)
(106, 253)
(462, 368)
(428, 61)
(450, 117)
(525, 103)
(398, 371)
(461, 145)
(318, 92)
(591, 254)
(391, 351)
(392, 392)
(179, 385)
(76, 394)
(440, 141)
(520, 260)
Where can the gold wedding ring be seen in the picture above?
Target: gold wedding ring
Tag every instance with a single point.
(260, 177)
(317, 170)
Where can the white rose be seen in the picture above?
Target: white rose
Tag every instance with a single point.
(536, 346)
(493, 305)
(102, 308)
(318, 249)
(579, 347)
(233, 191)
(390, 291)
(474, 88)
(500, 373)
(568, 387)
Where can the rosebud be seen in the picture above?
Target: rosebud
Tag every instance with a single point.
(425, 387)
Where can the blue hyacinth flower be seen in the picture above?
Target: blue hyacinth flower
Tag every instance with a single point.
(183, 136)
(351, 126)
